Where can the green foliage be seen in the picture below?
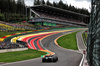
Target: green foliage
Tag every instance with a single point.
(37, 2)
(20, 55)
(49, 3)
(11, 17)
(12, 6)
(54, 4)
(60, 4)
(20, 7)
(10, 9)
(68, 41)
(85, 36)
(1, 17)
(43, 2)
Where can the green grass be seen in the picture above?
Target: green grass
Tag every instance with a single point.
(68, 41)
(8, 33)
(85, 36)
(20, 55)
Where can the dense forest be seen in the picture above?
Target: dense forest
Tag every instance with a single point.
(12, 10)
(62, 5)
(15, 10)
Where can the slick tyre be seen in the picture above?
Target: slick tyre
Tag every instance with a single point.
(54, 60)
(43, 60)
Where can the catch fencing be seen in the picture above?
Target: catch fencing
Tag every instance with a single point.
(93, 44)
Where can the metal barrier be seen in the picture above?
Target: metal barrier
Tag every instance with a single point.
(21, 43)
(93, 44)
(12, 46)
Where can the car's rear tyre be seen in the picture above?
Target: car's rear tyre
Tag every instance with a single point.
(54, 60)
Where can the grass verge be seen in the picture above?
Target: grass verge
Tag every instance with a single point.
(84, 38)
(68, 41)
(20, 55)
(86, 35)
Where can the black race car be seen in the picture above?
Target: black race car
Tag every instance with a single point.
(50, 58)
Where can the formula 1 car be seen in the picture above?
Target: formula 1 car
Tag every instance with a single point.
(50, 58)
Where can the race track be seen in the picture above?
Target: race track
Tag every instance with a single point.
(66, 57)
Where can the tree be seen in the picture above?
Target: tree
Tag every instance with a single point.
(1, 17)
(12, 10)
(35, 2)
(2, 5)
(23, 6)
(20, 7)
(54, 4)
(60, 4)
(43, 2)
(48, 3)
(14, 6)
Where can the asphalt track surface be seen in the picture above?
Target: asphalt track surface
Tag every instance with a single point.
(80, 41)
(65, 57)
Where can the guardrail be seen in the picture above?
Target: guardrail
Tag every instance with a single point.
(11, 50)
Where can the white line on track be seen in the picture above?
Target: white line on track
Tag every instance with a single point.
(30, 59)
(81, 63)
(74, 50)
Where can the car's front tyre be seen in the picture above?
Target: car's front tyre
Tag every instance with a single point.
(43, 60)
